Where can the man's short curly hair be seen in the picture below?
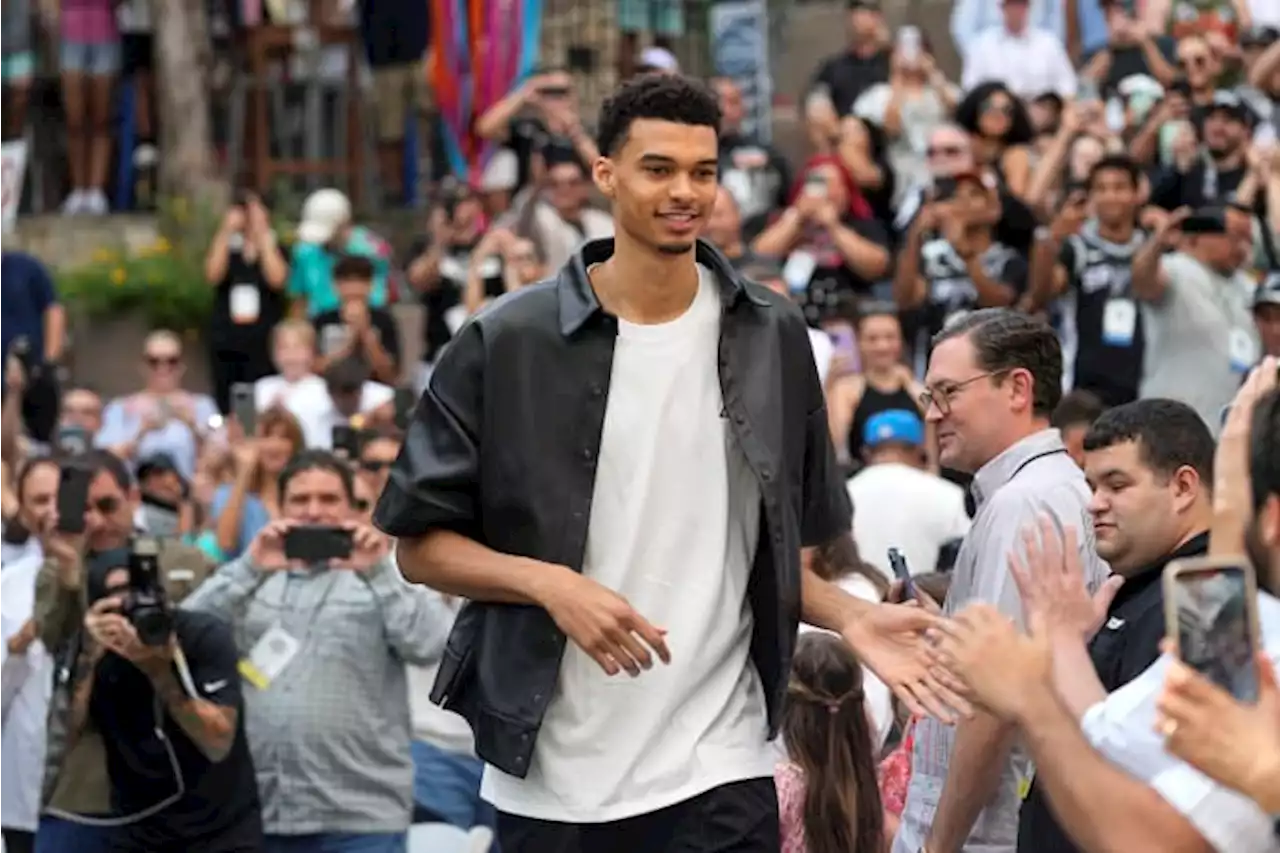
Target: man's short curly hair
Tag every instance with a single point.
(664, 97)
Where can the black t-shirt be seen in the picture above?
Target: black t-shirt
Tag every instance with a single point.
(245, 308)
(847, 76)
(529, 135)
(447, 295)
(1125, 647)
(1106, 334)
(950, 292)
(219, 811)
(332, 334)
(832, 279)
(394, 32)
(1202, 185)
(1128, 61)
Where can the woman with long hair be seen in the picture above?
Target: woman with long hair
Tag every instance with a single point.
(1000, 133)
(828, 796)
(251, 500)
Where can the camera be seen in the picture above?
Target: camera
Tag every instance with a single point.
(146, 606)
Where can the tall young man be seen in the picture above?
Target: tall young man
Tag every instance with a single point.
(619, 468)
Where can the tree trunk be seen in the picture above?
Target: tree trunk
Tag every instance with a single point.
(184, 65)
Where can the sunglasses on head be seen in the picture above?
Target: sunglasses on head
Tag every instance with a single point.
(162, 360)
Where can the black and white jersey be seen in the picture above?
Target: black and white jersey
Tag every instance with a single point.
(950, 292)
(1102, 337)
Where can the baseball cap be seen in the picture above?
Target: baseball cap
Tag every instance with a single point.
(1205, 220)
(658, 59)
(1268, 292)
(1232, 104)
(896, 425)
(323, 213)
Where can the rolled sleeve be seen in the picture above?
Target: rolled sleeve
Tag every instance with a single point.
(434, 482)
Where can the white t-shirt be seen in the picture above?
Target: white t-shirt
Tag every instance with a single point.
(308, 400)
(675, 514)
(1123, 728)
(1030, 63)
(823, 353)
(27, 682)
(936, 516)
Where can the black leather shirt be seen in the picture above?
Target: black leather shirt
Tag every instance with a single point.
(503, 445)
(1125, 646)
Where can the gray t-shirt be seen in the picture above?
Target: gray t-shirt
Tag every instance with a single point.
(1034, 477)
(1200, 336)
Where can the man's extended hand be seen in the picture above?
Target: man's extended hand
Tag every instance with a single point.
(1236, 744)
(1000, 666)
(889, 638)
(1051, 582)
(604, 625)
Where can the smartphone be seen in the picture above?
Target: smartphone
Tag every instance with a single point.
(346, 442)
(1211, 616)
(242, 406)
(815, 184)
(73, 498)
(901, 571)
(406, 400)
(72, 440)
(909, 43)
(317, 542)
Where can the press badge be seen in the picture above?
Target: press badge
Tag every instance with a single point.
(1119, 322)
(1241, 350)
(268, 657)
(245, 303)
(798, 270)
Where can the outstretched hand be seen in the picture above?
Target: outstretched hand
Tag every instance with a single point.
(1051, 582)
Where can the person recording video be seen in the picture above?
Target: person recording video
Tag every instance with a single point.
(327, 625)
(164, 683)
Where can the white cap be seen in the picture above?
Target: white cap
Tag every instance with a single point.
(659, 58)
(323, 213)
(501, 172)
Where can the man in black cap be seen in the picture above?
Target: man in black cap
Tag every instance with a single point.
(1225, 128)
(1201, 339)
(1266, 313)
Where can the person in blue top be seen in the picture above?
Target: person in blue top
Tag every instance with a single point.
(251, 501)
(326, 233)
(33, 315)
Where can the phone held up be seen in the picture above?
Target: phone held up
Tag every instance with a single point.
(902, 572)
(1211, 616)
(73, 498)
(243, 407)
(317, 543)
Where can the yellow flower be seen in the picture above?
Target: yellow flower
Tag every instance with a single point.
(104, 256)
(117, 276)
(161, 246)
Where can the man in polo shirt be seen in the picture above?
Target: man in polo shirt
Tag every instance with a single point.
(1150, 465)
(994, 378)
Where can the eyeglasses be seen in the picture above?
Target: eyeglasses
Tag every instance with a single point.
(942, 395)
(105, 506)
(1197, 60)
(162, 360)
(944, 151)
(373, 466)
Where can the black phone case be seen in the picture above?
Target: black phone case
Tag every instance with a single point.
(73, 500)
(315, 543)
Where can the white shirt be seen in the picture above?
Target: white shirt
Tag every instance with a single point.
(936, 516)
(442, 729)
(26, 682)
(823, 353)
(1265, 13)
(1122, 728)
(675, 515)
(1030, 63)
(308, 400)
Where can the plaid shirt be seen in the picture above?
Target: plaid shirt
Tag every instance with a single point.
(330, 736)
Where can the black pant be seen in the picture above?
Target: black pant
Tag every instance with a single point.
(19, 841)
(228, 367)
(741, 817)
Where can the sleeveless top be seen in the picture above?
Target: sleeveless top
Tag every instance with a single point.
(874, 401)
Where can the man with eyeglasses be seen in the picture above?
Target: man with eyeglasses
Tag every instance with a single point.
(75, 782)
(994, 378)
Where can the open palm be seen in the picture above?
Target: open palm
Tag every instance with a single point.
(1052, 585)
(889, 638)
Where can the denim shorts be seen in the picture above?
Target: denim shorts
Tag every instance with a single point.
(17, 67)
(97, 59)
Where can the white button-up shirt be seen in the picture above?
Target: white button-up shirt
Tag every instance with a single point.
(1030, 63)
(26, 681)
(1122, 728)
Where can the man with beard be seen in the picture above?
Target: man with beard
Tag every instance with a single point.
(1100, 758)
(1088, 261)
(1150, 465)
(1225, 127)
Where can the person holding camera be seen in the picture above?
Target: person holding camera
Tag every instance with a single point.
(96, 490)
(326, 626)
(164, 683)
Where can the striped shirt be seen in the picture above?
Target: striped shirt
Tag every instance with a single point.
(330, 736)
(1035, 476)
